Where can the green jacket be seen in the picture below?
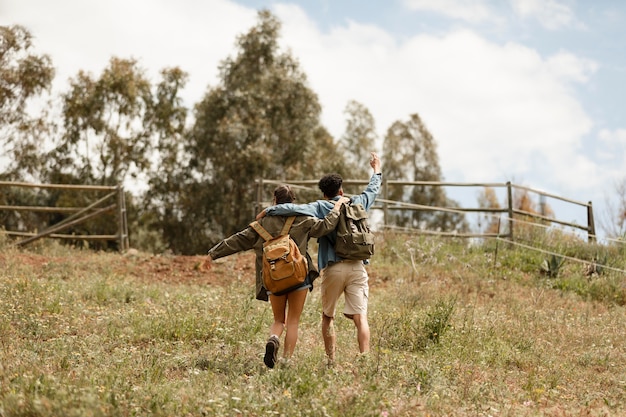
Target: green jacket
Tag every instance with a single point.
(303, 228)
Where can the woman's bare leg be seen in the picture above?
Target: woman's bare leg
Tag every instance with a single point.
(279, 307)
(295, 303)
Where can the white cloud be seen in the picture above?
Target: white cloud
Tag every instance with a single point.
(79, 35)
(473, 11)
(551, 14)
(616, 137)
(493, 109)
(569, 66)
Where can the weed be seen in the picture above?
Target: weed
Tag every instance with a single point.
(437, 320)
(552, 266)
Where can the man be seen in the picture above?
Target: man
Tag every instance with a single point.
(339, 276)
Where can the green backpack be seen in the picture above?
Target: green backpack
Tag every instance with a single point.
(354, 241)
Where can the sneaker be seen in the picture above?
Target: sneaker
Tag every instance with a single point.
(271, 351)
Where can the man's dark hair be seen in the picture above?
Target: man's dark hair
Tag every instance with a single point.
(330, 184)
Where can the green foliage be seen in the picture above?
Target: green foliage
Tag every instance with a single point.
(252, 125)
(166, 202)
(414, 328)
(410, 154)
(552, 265)
(357, 142)
(146, 240)
(106, 134)
(24, 220)
(608, 288)
(598, 264)
(437, 320)
(24, 77)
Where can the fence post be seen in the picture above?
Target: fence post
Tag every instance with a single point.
(259, 197)
(509, 192)
(385, 204)
(591, 227)
(123, 225)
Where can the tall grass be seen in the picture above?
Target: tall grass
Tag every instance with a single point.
(456, 330)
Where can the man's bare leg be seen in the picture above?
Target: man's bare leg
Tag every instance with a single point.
(362, 332)
(328, 334)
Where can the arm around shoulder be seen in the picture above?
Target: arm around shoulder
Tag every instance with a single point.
(290, 209)
(322, 227)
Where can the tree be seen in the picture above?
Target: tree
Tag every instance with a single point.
(614, 220)
(489, 222)
(358, 140)
(108, 134)
(410, 154)
(164, 211)
(526, 212)
(261, 121)
(24, 77)
(527, 225)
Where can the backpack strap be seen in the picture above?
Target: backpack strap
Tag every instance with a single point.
(287, 225)
(265, 234)
(261, 230)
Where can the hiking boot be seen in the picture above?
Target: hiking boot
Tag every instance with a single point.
(271, 351)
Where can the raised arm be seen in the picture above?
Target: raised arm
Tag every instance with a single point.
(370, 193)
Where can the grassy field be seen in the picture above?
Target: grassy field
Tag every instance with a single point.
(456, 331)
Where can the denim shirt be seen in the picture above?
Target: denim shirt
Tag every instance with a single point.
(319, 209)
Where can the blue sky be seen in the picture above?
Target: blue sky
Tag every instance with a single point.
(531, 91)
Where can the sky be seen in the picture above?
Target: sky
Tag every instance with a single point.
(527, 91)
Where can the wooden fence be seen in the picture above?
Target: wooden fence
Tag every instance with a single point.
(387, 206)
(116, 203)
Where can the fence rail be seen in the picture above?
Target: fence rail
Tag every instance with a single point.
(387, 205)
(116, 203)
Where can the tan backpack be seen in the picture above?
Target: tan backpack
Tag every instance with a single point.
(284, 267)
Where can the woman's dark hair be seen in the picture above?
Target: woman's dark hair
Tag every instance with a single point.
(284, 194)
(330, 184)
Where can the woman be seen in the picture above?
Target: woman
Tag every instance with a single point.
(286, 308)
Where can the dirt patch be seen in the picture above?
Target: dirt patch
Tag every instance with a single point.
(187, 269)
(145, 267)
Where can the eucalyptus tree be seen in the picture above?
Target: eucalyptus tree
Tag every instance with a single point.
(358, 140)
(107, 136)
(261, 120)
(410, 154)
(164, 212)
(24, 77)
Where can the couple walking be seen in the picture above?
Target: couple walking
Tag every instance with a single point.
(338, 276)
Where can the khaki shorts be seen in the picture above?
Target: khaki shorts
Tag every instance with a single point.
(348, 278)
